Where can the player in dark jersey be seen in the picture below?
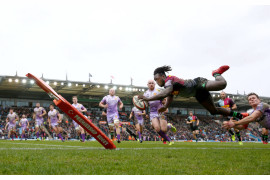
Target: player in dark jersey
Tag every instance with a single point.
(229, 104)
(193, 121)
(260, 113)
(198, 88)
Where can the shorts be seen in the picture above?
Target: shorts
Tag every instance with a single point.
(23, 128)
(139, 121)
(194, 128)
(201, 93)
(54, 125)
(11, 127)
(156, 115)
(39, 124)
(76, 125)
(112, 117)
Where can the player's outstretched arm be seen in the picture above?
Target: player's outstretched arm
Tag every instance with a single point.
(255, 115)
(165, 93)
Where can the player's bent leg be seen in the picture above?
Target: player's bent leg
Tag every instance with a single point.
(217, 85)
(163, 126)
(265, 136)
(60, 134)
(111, 130)
(155, 124)
(205, 99)
(194, 135)
(116, 124)
(37, 131)
(138, 128)
(141, 130)
(82, 133)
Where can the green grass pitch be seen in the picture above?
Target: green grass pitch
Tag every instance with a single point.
(148, 158)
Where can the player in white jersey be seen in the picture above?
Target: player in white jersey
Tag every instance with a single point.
(111, 102)
(54, 118)
(12, 117)
(24, 125)
(158, 121)
(39, 113)
(81, 109)
(138, 119)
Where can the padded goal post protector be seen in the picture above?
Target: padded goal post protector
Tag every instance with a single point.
(74, 114)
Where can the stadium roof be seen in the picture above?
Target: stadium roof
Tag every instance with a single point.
(22, 87)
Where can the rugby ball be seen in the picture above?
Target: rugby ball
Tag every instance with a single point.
(138, 103)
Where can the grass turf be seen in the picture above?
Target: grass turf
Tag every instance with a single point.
(182, 158)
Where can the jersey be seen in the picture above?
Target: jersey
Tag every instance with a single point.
(24, 122)
(39, 111)
(184, 88)
(264, 120)
(154, 105)
(136, 112)
(53, 116)
(79, 107)
(12, 118)
(226, 103)
(112, 102)
(192, 119)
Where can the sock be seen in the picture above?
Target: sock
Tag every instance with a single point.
(12, 136)
(22, 136)
(60, 136)
(265, 137)
(37, 134)
(118, 137)
(83, 137)
(236, 115)
(139, 135)
(231, 132)
(238, 136)
(165, 137)
(216, 75)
